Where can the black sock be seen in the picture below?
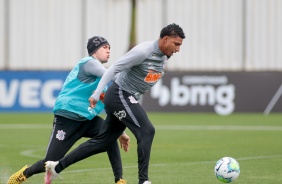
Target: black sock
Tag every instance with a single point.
(59, 167)
(117, 179)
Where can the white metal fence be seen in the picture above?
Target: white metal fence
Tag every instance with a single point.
(222, 35)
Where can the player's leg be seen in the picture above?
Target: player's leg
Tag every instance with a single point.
(109, 133)
(113, 151)
(144, 134)
(131, 114)
(115, 160)
(64, 134)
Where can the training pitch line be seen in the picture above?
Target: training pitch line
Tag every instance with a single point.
(168, 164)
(160, 165)
(172, 164)
(160, 127)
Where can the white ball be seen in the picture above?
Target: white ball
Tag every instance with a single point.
(227, 169)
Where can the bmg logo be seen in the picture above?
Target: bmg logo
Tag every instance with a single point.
(197, 91)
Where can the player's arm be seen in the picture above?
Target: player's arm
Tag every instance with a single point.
(95, 68)
(130, 59)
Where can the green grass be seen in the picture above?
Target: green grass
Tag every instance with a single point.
(185, 149)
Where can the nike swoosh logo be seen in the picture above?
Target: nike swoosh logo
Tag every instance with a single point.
(219, 166)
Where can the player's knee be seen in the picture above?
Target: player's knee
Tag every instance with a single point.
(150, 132)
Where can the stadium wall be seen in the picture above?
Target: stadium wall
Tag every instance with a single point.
(221, 35)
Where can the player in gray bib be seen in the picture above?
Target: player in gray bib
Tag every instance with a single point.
(139, 69)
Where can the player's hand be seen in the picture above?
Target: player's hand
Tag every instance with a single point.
(102, 96)
(124, 140)
(92, 102)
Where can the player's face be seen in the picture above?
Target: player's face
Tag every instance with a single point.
(171, 45)
(103, 53)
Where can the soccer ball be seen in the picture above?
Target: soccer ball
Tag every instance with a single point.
(227, 169)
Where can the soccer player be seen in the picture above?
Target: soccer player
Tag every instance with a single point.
(74, 119)
(139, 69)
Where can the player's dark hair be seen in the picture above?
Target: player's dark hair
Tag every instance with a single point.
(172, 30)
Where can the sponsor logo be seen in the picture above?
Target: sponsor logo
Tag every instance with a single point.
(120, 114)
(29, 93)
(197, 91)
(132, 100)
(60, 135)
(152, 77)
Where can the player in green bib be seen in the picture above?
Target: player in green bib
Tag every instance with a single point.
(74, 119)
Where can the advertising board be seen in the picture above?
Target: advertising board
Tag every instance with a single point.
(220, 92)
(216, 92)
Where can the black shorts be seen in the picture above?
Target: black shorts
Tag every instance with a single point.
(66, 132)
(123, 110)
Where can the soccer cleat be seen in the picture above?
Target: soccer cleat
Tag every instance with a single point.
(18, 177)
(50, 173)
(121, 181)
(147, 182)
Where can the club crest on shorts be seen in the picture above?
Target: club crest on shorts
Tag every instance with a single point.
(60, 135)
(132, 100)
(120, 114)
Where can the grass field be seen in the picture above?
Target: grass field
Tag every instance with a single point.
(185, 149)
